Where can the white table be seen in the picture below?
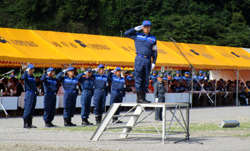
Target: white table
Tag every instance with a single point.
(9, 103)
(39, 102)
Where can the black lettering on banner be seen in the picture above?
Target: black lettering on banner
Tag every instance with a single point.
(64, 43)
(245, 57)
(131, 48)
(207, 56)
(99, 46)
(162, 51)
(72, 45)
(24, 43)
(56, 44)
(126, 49)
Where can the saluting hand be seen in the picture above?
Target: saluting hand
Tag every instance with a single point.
(138, 28)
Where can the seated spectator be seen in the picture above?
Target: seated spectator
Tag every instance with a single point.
(4, 86)
(177, 88)
(10, 81)
(198, 87)
(232, 87)
(13, 86)
(20, 87)
(12, 75)
(39, 87)
(206, 86)
(151, 87)
(221, 86)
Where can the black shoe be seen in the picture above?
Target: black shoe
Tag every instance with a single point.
(144, 98)
(115, 119)
(49, 124)
(67, 122)
(86, 122)
(98, 119)
(140, 97)
(30, 123)
(70, 123)
(26, 123)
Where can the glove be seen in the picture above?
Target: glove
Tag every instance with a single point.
(138, 28)
(65, 70)
(48, 72)
(156, 100)
(152, 66)
(27, 69)
(113, 71)
(155, 48)
(85, 72)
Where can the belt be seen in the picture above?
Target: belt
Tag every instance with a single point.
(117, 91)
(100, 89)
(50, 93)
(142, 56)
(69, 91)
(87, 90)
(31, 92)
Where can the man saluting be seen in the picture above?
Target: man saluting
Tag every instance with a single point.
(145, 44)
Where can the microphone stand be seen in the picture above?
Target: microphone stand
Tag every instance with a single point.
(187, 139)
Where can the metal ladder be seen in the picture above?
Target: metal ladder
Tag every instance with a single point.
(110, 114)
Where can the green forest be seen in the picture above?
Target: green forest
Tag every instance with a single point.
(213, 22)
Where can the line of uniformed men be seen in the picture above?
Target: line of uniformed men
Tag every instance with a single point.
(92, 85)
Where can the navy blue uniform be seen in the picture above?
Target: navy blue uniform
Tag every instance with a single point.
(143, 44)
(159, 91)
(87, 84)
(200, 77)
(30, 95)
(100, 93)
(178, 78)
(129, 78)
(154, 78)
(118, 90)
(69, 99)
(49, 97)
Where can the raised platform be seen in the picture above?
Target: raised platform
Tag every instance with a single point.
(137, 110)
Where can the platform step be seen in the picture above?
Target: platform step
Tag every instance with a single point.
(114, 116)
(120, 127)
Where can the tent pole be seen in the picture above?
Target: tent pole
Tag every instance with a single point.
(237, 87)
(215, 86)
(167, 81)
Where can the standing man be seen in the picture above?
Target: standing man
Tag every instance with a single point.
(153, 77)
(159, 91)
(30, 96)
(200, 77)
(118, 89)
(100, 93)
(145, 44)
(49, 83)
(178, 77)
(69, 99)
(87, 84)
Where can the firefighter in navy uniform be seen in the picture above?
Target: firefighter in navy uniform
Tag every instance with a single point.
(159, 94)
(87, 85)
(153, 77)
(30, 96)
(69, 100)
(145, 44)
(178, 76)
(118, 89)
(49, 83)
(100, 93)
